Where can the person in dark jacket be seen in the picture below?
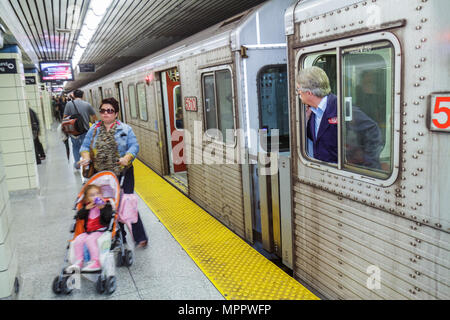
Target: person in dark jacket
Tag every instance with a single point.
(35, 129)
(363, 140)
(97, 215)
(314, 90)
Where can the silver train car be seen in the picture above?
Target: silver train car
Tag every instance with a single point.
(347, 231)
(374, 230)
(232, 76)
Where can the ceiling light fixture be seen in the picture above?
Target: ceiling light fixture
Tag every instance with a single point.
(94, 15)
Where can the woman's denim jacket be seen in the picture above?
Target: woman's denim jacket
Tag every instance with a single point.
(124, 136)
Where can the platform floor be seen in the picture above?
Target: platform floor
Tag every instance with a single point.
(162, 271)
(190, 256)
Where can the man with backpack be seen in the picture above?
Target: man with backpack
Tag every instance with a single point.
(86, 114)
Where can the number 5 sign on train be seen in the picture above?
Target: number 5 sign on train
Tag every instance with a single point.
(440, 112)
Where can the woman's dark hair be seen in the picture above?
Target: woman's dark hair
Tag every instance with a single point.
(112, 102)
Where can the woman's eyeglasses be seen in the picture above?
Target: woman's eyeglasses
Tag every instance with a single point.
(109, 111)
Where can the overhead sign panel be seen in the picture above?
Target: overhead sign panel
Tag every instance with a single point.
(86, 67)
(56, 70)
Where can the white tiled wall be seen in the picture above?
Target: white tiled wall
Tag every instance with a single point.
(16, 138)
(8, 260)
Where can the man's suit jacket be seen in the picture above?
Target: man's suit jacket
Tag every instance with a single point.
(325, 144)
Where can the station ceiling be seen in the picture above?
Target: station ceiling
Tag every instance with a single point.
(129, 31)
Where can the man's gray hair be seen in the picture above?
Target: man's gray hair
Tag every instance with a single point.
(314, 79)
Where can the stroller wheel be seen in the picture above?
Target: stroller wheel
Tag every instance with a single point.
(111, 284)
(129, 258)
(66, 285)
(100, 286)
(120, 260)
(57, 285)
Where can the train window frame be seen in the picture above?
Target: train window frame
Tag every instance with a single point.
(145, 100)
(338, 46)
(212, 71)
(129, 101)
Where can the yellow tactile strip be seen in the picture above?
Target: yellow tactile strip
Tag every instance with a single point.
(235, 268)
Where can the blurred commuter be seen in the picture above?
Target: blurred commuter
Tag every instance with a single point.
(35, 129)
(79, 106)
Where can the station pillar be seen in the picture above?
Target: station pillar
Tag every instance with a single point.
(16, 138)
(8, 257)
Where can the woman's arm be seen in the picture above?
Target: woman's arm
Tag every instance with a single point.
(85, 146)
(132, 148)
(132, 144)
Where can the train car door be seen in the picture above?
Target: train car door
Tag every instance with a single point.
(119, 95)
(273, 114)
(173, 115)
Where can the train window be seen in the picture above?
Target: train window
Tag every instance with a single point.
(364, 88)
(210, 102)
(142, 101)
(367, 100)
(132, 101)
(178, 107)
(273, 102)
(225, 101)
(218, 101)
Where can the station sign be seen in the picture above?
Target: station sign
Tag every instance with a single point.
(439, 112)
(8, 66)
(190, 104)
(30, 80)
(86, 67)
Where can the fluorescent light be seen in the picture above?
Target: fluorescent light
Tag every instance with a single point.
(94, 15)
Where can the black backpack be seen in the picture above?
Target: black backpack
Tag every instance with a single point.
(73, 124)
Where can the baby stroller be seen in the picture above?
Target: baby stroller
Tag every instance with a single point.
(111, 241)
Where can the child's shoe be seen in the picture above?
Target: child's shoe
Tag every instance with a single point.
(92, 266)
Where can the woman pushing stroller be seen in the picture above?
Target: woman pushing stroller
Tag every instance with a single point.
(112, 146)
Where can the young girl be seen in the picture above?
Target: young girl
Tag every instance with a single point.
(97, 215)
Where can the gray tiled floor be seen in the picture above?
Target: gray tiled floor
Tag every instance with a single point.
(40, 229)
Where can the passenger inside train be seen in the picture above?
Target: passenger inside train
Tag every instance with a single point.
(363, 139)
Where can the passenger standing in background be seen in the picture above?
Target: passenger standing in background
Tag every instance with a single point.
(87, 114)
(313, 88)
(114, 147)
(35, 129)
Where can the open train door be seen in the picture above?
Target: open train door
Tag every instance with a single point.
(174, 124)
(119, 97)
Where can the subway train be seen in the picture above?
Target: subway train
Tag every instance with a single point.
(218, 116)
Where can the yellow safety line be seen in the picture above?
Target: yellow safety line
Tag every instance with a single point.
(236, 269)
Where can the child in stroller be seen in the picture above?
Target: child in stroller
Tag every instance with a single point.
(97, 215)
(96, 225)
